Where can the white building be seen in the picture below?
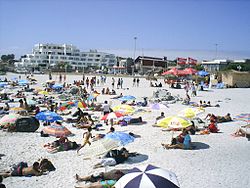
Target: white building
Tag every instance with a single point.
(49, 55)
(215, 65)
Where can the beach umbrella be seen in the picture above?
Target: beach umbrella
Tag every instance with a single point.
(126, 98)
(112, 115)
(243, 117)
(158, 106)
(80, 104)
(124, 109)
(48, 116)
(202, 73)
(31, 102)
(148, 176)
(174, 122)
(43, 92)
(190, 70)
(74, 90)
(56, 130)
(121, 137)
(173, 71)
(5, 91)
(99, 147)
(23, 82)
(67, 105)
(191, 112)
(93, 96)
(57, 86)
(2, 84)
(17, 109)
(10, 118)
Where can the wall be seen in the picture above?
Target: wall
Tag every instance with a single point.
(240, 79)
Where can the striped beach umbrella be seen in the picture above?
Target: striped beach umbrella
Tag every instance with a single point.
(112, 115)
(81, 104)
(56, 130)
(10, 118)
(148, 176)
(243, 117)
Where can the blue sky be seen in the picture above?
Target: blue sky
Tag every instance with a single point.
(171, 28)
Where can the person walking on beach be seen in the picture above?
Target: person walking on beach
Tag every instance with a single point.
(64, 78)
(118, 83)
(134, 80)
(113, 83)
(121, 82)
(86, 136)
(138, 81)
(60, 77)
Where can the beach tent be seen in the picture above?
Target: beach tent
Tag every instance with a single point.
(20, 123)
(27, 124)
(148, 176)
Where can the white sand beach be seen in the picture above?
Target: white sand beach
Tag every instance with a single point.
(221, 161)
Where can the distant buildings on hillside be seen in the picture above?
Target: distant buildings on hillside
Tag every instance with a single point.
(49, 56)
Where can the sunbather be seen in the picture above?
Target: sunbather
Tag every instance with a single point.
(242, 132)
(22, 169)
(178, 145)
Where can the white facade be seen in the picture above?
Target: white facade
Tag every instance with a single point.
(48, 55)
(215, 65)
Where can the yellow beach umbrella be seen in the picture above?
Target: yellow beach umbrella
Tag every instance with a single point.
(43, 92)
(191, 112)
(126, 109)
(174, 122)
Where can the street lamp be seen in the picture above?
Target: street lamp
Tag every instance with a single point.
(216, 50)
(133, 67)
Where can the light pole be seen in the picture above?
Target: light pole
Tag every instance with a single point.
(133, 67)
(216, 50)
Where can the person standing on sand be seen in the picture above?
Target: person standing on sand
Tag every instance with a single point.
(60, 77)
(121, 82)
(134, 80)
(86, 136)
(138, 82)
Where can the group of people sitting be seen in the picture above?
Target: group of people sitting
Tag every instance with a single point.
(37, 169)
(62, 144)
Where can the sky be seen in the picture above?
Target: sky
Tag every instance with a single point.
(171, 28)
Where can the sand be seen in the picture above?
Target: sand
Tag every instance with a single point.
(222, 161)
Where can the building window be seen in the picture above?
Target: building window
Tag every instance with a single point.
(91, 55)
(98, 55)
(97, 60)
(83, 59)
(84, 55)
(70, 58)
(90, 59)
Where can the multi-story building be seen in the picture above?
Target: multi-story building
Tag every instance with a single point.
(49, 55)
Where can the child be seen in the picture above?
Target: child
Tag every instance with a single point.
(86, 136)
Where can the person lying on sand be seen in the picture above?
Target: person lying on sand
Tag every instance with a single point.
(178, 145)
(115, 174)
(242, 132)
(115, 157)
(37, 169)
(101, 184)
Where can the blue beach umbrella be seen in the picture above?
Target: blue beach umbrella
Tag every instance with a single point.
(148, 176)
(126, 98)
(48, 116)
(202, 73)
(123, 138)
(2, 84)
(23, 82)
(57, 86)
